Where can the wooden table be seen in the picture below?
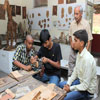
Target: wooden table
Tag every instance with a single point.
(32, 83)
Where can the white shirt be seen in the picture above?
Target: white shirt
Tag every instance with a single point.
(83, 24)
(85, 71)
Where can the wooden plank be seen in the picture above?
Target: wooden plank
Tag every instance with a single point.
(45, 94)
(7, 83)
(32, 83)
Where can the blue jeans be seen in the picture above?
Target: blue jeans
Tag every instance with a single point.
(51, 78)
(74, 95)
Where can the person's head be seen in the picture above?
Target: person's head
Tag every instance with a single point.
(80, 39)
(78, 11)
(45, 38)
(29, 42)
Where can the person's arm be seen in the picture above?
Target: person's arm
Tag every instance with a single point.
(20, 65)
(88, 45)
(55, 64)
(88, 74)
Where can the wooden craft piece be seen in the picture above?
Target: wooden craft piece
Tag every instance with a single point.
(1, 82)
(16, 74)
(36, 97)
(48, 25)
(32, 15)
(8, 91)
(18, 10)
(11, 26)
(31, 22)
(41, 26)
(24, 12)
(46, 94)
(39, 23)
(70, 1)
(6, 97)
(70, 10)
(69, 18)
(44, 25)
(2, 12)
(54, 10)
(51, 86)
(45, 20)
(64, 25)
(60, 1)
(48, 19)
(66, 20)
(39, 14)
(62, 12)
(7, 82)
(47, 14)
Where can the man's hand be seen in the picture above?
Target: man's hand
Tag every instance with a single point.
(67, 88)
(28, 68)
(44, 59)
(32, 60)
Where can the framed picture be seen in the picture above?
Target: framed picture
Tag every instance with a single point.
(70, 1)
(2, 12)
(13, 10)
(54, 10)
(40, 3)
(18, 10)
(60, 1)
(24, 12)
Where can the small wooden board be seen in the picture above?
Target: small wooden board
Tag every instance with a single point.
(46, 94)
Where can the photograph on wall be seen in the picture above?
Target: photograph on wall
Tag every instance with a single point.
(24, 12)
(18, 10)
(13, 10)
(54, 11)
(2, 12)
(70, 1)
(66, 14)
(40, 3)
(60, 1)
(40, 20)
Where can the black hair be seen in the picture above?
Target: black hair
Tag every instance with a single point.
(44, 36)
(82, 36)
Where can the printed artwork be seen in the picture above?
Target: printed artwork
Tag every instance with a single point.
(18, 10)
(2, 12)
(13, 10)
(40, 18)
(60, 1)
(70, 1)
(54, 10)
(40, 3)
(66, 14)
(24, 12)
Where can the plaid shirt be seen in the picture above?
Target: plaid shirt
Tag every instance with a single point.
(22, 56)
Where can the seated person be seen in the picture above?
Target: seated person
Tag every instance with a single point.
(51, 55)
(21, 59)
(83, 80)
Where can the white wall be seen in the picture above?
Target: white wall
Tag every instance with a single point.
(54, 31)
(18, 18)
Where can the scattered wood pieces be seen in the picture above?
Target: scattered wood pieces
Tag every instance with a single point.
(8, 91)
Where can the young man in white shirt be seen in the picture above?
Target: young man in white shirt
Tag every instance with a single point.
(83, 80)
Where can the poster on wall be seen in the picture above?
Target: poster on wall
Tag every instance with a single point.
(18, 10)
(54, 11)
(60, 1)
(24, 13)
(66, 14)
(40, 18)
(2, 12)
(13, 10)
